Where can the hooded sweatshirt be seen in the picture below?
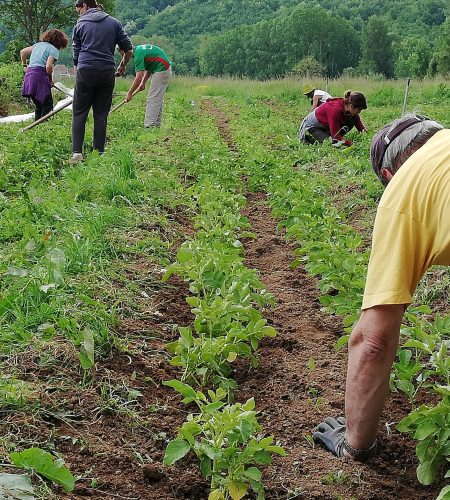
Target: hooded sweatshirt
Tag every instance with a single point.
(95, 37)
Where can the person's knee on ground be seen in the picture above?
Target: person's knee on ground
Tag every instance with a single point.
(318, 135)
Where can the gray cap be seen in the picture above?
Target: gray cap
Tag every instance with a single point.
(395, 137)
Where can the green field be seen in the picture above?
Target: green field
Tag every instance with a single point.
(174, 313)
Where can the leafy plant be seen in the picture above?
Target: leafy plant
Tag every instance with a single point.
(44, 464)
(430, 425)
(225, 439)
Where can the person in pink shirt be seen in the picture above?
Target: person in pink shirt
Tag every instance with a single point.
(333, 119)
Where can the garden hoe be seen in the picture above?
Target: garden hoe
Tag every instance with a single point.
(117, 106)
(47, 116)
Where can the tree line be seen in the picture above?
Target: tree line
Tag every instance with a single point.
(394, 39)
(263, 38)
(272, 48)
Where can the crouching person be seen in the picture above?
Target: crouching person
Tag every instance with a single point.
(411, 156)
(333, 119)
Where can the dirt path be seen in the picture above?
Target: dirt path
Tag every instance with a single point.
(301, 380)
(294, 394)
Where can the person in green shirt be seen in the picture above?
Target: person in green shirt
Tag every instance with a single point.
(151, 61)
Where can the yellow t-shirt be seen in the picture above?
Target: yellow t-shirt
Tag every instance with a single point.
(412, 225)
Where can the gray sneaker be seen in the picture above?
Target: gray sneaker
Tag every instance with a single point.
(76, 157)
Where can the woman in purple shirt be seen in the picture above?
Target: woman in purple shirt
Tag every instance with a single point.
(38, 82)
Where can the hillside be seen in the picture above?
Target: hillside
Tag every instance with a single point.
(413, 25)
(186, 21)
(414, 15)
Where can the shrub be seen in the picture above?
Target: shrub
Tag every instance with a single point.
(308, 67)
(11, 76)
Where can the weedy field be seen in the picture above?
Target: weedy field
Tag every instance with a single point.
(174, 313)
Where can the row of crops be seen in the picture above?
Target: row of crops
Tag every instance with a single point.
(64, 228)
(227, 300)
(334, 251)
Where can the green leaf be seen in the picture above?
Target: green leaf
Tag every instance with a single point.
(249, 405)
(341, 342)
(426, 472)
(57, 257)
(206, 466)
(192, 427)
(184, 433)
(277, 449)
(442, 389)
(217, 405)
(44, 463)
(208, 450)
(184, 254)
(168, 273)
(16, 271)
(407, 422)
(421, 309)
(16, 486)
(311, 364)
(416, 345)
(253, 473)
(87, 350)
(231, 356)
(237, 490)
(184, 389)
(444, 494)
(262, 457)
(216, 495)
(193, 301)
(175, 450)
(425, 430)
(269, 331)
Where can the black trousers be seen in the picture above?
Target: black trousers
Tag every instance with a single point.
(42, 108)
(93, 88)
(320, 134)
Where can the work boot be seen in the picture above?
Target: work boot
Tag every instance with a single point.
(76, 157)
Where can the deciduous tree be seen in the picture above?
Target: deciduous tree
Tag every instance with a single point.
(377, 47)
(27, 19)
(443, 49)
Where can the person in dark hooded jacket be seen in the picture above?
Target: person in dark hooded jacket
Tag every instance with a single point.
(95, 38)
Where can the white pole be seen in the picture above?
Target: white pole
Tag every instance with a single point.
(408, 81)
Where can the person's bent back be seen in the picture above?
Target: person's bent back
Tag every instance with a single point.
(333, 119)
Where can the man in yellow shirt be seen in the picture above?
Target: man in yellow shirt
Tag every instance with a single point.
(411, 156)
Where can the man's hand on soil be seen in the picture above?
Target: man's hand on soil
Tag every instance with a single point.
(331, 435)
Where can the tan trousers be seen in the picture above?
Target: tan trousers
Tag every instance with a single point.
(155, 99)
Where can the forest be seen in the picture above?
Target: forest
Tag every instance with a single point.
(390, 39)
(271, 38)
